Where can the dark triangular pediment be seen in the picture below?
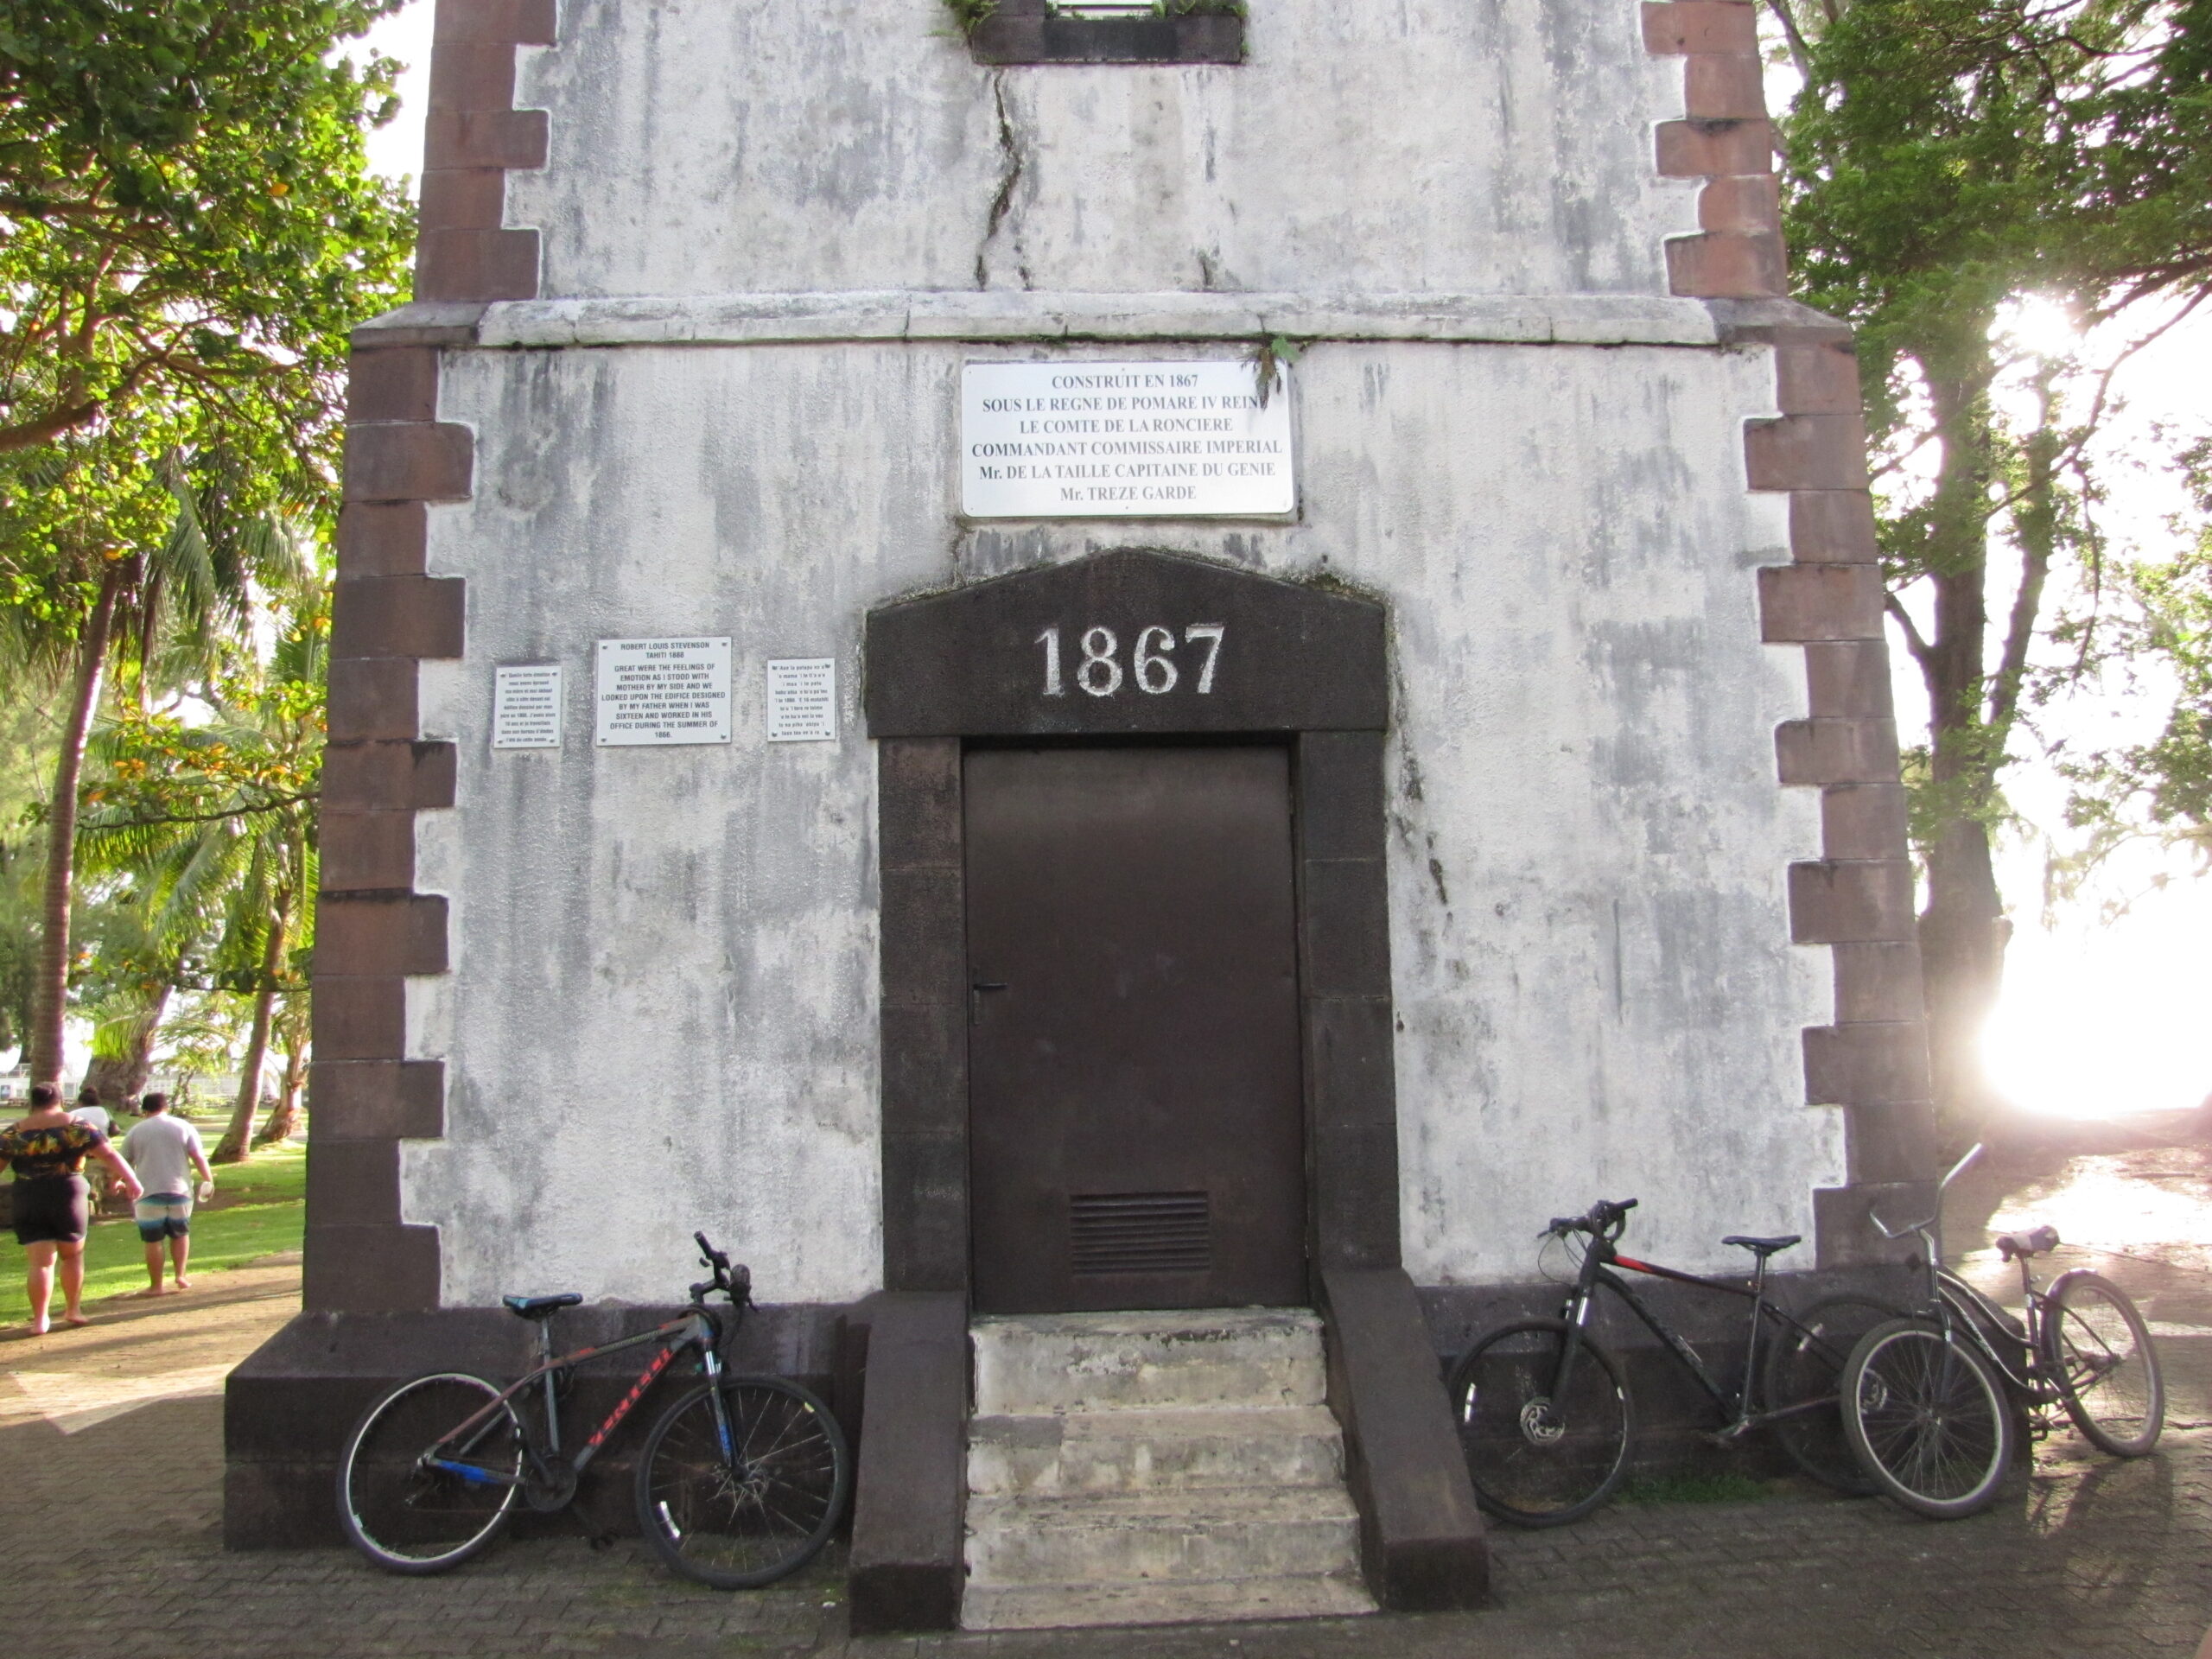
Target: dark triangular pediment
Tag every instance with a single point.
(1127, 642)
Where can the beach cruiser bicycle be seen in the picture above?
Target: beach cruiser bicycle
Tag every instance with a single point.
(741, 1480)
(1930, 1400)
(1544, 1409)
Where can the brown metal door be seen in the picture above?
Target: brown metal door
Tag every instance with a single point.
(1135, 1119)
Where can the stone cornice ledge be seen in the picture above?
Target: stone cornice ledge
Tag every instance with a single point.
(1011, 315)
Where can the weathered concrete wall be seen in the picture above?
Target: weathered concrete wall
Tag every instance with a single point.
(1458, 146)
(662, 1009)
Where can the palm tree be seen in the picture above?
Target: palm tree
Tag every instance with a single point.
(214, 823)
(105, 580)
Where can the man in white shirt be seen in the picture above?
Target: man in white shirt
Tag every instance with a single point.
(162, 1151)
(89, 1112)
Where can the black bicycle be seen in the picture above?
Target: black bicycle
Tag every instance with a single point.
(1929, 1401)
(1544, 1409)
(740, 1481)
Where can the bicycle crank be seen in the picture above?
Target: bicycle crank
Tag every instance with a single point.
(549, 1486)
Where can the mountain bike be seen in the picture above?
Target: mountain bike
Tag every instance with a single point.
(1928, 1399)
(1544, 1409)
(741, 1480)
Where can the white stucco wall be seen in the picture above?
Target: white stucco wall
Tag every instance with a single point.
(1461, 146)
(661, 1012)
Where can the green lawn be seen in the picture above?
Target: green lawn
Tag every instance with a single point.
(260, 1208)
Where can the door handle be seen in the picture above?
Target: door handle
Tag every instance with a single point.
(976, 997)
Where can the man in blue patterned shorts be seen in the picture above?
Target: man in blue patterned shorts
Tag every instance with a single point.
(162, 1150)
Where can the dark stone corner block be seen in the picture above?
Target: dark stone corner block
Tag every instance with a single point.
(1421, 1541)
(910, 1499)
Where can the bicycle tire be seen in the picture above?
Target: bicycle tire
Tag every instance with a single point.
(749, 1514)
(2098, 1353)
(1532, 1463)
(1927, 1416)
(1805, 1364)
(406, 1519)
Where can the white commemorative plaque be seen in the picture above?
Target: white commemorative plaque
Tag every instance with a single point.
(662, 691)
(803, 699)
(526, 706)
(1123, 441)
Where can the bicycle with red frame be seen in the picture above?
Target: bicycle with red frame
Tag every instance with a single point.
(1544, 1413)
(740, 1481)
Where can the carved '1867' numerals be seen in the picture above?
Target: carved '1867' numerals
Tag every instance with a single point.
(1151, 664)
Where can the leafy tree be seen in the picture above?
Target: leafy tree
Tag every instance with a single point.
(2162, 788)
(185, 205)
(213, 822)
(187, 233)
(1945, 161)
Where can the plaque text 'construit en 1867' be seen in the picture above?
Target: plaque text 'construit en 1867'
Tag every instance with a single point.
(662, 691)
(1123, 440)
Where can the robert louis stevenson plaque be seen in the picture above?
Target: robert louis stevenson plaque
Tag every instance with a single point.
(526, 706)
(662, 691)
(1123, 441)
(803, 699)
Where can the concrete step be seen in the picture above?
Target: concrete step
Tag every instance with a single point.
(1235, 1357)
(1132, 1452)
(1059, 1606)
(1291, 1532)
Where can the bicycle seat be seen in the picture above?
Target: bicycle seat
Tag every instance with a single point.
(2019, 1246)
(539, 1307)
(1764, 1247)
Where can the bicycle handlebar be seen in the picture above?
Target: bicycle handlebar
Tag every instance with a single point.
(1605, 1214)
(1942, 1186)
(735, 1282)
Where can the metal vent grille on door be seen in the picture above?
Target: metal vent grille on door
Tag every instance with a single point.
(1141, 1232)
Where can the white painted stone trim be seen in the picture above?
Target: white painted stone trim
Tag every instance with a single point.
(1003, 315)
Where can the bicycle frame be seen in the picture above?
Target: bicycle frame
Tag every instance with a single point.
(1959, 1307)
(1597, 1273)
(698, 1328)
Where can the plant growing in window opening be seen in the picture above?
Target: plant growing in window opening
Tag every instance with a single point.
(970, 14)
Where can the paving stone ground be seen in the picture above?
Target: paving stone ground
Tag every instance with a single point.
(109, 1531)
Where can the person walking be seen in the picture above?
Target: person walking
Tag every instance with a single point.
(89, 1112)
(48, 1148)
(162, 1150)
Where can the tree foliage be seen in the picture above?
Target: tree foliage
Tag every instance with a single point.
(187, 232)
(184, 210)
(1950, 162)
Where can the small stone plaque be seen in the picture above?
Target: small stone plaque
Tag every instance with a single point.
(662, 691)
(803, 699)
(1124, 441)
(526, 706)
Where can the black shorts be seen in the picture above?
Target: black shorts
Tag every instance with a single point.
(51, 1209)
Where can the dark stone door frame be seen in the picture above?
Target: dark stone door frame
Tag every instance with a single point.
(1302, 662)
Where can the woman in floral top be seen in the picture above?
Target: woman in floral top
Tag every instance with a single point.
(49, 1149)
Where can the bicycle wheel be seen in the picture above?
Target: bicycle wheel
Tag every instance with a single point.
(743, 1508)
(1804, 1368)
(1928, 1418)
(1534, 1460)
(2097, 1351)
(406, 1518)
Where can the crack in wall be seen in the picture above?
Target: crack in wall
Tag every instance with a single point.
(1002, 203)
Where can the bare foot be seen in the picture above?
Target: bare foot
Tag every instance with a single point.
(184, 1284)
(74, 1319)
(151, 1290)
(36, 1327)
